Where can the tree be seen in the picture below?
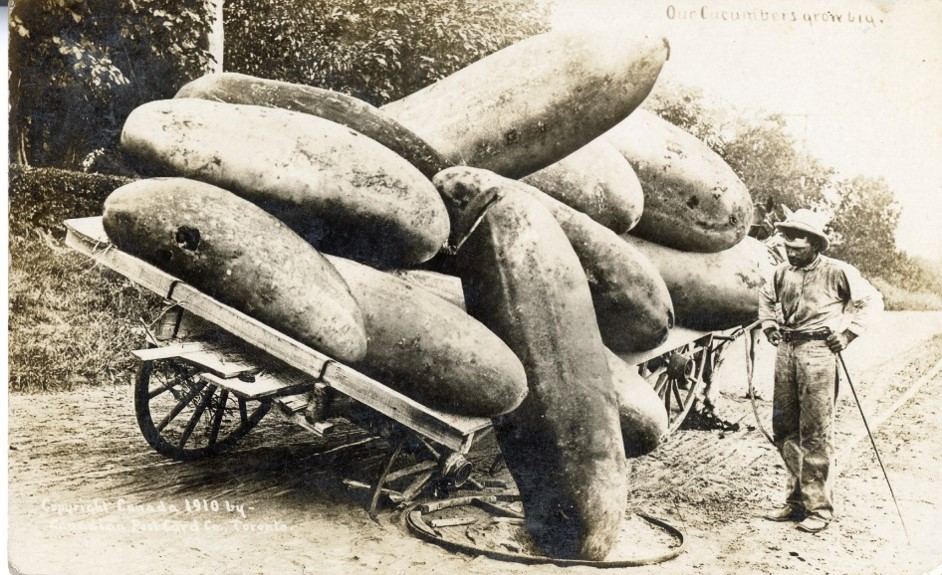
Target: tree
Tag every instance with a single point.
(78, 67)
(377, 51)
(863, 228)
(774, 167)
(215, 34)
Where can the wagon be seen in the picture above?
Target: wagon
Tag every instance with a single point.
(683, 367)
(210, 373)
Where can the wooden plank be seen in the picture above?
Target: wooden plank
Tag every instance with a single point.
(677, 337)
(411, 470)
(87, 236)
(168, 351)
(318, 428)
(90, 228)
(221, 362)
(452, 522)
(178, 324)
(293, 403)
(260, 388)
(436, 425)
(217, 362)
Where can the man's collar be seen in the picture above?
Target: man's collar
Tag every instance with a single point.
(811, 266)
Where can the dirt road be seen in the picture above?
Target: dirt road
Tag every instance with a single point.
(88, 496)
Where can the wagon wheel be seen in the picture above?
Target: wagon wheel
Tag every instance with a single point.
(677, 378)
(184, 416)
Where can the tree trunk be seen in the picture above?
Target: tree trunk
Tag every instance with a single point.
(215, 36)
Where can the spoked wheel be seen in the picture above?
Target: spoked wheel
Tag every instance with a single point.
(678, 376)
(184, 416)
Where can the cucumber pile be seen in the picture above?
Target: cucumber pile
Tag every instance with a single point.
(579, 228)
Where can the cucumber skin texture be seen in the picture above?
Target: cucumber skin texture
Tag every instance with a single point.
(693, 201)
(237, 253)
(344, 193)
(632, 304)
(597, 181)
(431, 350)
(533, 103)
(640, 410)
(563, 445)
(712, 291)
(233, 88)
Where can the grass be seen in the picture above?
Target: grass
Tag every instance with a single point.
(896, 298)
(71, 322)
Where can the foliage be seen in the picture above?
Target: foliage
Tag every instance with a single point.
(78, 67)
(864, 224)
(377, 51)
(70, 322)
(774, 167)
(40, 199)
(683, 106)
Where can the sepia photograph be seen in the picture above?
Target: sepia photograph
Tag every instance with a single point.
(474, 286)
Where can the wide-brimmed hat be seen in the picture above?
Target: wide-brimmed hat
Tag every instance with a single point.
(806, 221)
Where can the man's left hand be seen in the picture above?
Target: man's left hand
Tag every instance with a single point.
(838, 342)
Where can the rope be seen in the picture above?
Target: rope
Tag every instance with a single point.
(419, 527)
(750, 367)
(750, 370)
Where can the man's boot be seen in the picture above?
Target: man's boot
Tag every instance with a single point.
(785, 513)
(813, 523)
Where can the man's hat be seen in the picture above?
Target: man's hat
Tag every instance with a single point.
(806, 221)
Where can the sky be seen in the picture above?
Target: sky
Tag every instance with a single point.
(859, 82)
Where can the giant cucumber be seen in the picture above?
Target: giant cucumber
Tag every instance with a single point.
(632, 303)
(563, 445)
(643, 417)
(430, 349)
(445, 286)
(711, 291)
(693, 200)
(343, 192)
(532, 103)
(240, 255)
(597, 181)
(334, 106)
(641, 411)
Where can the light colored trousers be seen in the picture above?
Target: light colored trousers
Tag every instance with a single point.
(802, 421)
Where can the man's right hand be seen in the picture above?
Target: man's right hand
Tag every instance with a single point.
(773, 335)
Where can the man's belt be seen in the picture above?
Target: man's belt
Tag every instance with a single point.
(793, 336)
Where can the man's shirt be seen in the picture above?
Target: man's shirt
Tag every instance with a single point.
(825, 293)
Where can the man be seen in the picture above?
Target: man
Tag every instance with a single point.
(814, 307)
